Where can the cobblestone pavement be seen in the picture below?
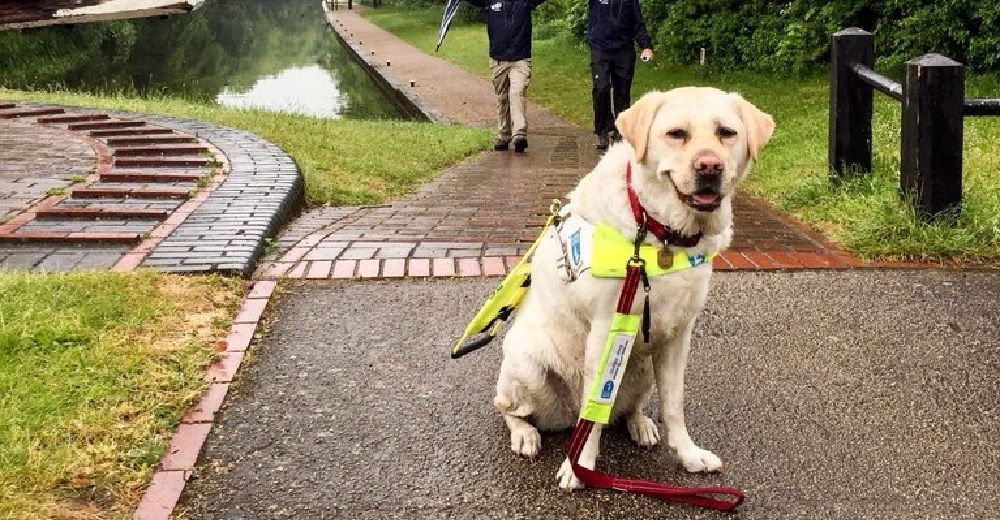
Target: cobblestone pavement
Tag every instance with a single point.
(146, 203)
(35, 161)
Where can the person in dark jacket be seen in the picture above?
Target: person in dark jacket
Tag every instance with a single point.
(508, 24)
(612, 27)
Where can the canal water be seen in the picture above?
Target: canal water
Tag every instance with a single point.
(275, 55)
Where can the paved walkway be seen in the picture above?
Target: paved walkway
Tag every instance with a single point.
(35, 161)
(479, 217)
(445, 92)
(829, 394)
(847, 397)
(85, 189)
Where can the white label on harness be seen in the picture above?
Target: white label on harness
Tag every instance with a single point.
(576, 236)
(614, 369)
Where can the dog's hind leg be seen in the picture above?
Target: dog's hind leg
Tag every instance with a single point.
(517, 386)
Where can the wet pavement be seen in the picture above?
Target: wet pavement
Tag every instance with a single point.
(845, 395)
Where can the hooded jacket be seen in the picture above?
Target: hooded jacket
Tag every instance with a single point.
(613, 24)
(508, 24)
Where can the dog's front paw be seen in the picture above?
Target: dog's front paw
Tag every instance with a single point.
(568, 480)
(525, 442)
(697, 460)
(643, 431)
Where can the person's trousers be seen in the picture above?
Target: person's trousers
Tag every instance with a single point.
(510, 81)
(612, 72)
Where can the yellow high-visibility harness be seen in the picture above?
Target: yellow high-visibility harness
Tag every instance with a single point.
(609, 254)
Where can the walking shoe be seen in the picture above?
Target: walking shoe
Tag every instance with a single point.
(520, 144)
(614, 136)
(501, 145)
(602, 142)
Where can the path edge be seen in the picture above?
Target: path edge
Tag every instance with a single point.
(405, 98)
(177, 464)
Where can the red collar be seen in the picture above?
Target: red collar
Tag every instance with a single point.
(646, 221)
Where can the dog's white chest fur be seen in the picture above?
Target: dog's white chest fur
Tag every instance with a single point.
(553, 346)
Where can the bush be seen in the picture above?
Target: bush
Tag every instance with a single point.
(793, 35)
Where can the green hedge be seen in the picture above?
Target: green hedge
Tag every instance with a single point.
(793, 35)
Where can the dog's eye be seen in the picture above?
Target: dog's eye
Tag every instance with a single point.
(678, 133)
(725, 132)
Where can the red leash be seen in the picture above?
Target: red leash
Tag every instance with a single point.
(696, 496)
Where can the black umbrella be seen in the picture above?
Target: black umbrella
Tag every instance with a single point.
(450, 9)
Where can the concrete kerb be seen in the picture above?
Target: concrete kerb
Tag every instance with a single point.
(177, 464)
(396, 90)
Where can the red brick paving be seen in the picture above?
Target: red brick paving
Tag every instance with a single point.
(478, 217)
(81, 215)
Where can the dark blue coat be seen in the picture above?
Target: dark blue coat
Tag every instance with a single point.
(508, 24)
(613, 24)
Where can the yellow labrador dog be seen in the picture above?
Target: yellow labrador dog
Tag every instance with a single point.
(689, 149)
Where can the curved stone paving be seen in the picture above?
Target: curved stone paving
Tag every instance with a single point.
(147, 204)
(35, 160)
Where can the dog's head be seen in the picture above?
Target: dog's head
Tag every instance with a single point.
(699, 139)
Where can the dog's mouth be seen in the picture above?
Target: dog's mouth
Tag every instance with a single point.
(705, 199)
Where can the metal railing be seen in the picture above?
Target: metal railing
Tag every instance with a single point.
(934, 106)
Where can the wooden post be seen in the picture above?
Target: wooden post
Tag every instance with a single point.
(931, 149)
(350, 4)
(850, 140)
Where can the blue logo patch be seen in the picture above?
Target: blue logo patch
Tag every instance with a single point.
(574, 247)
(609, 387)
(696, 260)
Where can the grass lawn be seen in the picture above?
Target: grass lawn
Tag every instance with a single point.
(345, 162)
(864, 215)
(96, 370)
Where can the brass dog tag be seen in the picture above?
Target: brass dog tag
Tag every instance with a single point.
(665, 258)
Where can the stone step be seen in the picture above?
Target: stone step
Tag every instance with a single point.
(5, 105)
(168, 205)
(97, 192)
(30, 112)
(72, 118)
(77, 237)
(161, 150)
(144, 140)
(100, 213)
(113, 132)
(162, 162)
(103, 125)
(150, 176)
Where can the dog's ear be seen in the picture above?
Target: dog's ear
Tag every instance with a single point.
(759, 125)
(635, 122)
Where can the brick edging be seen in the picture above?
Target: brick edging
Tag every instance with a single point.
(177, 464)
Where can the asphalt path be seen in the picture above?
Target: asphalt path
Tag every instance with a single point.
(842, 395)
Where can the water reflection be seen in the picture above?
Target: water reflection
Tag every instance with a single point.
(308, 90)
(275, 55)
